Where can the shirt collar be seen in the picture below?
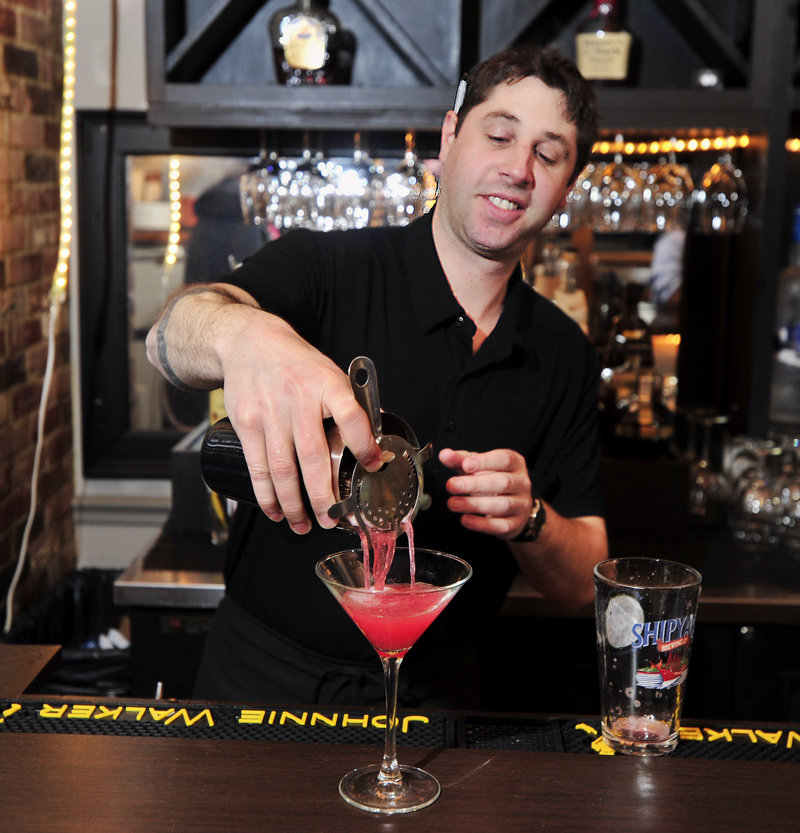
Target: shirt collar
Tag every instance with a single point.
(434, 302)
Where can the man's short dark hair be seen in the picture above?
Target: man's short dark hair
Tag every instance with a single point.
(552, 68)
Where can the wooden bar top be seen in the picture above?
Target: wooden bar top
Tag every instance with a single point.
(68, 779)
(22, 665)
(85, 783)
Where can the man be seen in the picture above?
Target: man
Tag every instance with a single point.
(499, 380)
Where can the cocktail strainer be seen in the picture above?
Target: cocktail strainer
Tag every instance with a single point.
(384, 499)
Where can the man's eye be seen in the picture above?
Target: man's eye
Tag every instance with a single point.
(545, 157)
(498, 139)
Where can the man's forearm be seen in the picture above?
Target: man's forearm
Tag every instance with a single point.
(559, 564)
(179, 343)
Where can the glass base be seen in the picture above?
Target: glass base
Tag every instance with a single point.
(637, 742)
(362, 789)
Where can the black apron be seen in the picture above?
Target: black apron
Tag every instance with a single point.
(245, 661)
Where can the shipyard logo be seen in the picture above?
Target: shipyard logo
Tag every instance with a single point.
(626, 627)
(666, 634)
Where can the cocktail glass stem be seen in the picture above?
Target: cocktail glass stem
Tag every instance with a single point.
(390, 775)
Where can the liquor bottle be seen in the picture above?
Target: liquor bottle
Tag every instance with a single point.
(306, 44)
(641, 413)
(603, 47)
(785, 398)
(630, 344)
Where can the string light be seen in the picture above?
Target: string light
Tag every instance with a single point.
(653, 147)
(174, 238)
(58, 290)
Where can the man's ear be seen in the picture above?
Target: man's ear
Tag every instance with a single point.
(448, 133)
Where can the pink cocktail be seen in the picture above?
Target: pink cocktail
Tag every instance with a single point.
(394, 618)
(392, 614)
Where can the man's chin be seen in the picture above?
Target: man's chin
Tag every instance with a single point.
(503, 252)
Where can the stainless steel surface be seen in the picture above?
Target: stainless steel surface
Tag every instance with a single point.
(184, 571)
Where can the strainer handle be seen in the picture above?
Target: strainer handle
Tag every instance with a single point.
(364, 382)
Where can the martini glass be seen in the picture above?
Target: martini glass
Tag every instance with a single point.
(392, 604)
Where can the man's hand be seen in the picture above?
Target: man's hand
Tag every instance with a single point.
(277, 405)
(491, 490)
(278, 390)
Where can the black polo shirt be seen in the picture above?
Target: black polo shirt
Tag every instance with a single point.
(532, 386)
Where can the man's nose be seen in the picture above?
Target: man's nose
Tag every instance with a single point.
(519, 166)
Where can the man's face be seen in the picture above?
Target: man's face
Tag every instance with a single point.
(509, 168)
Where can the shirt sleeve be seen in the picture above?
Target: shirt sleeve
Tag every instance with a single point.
(286, 277)
(570, 476)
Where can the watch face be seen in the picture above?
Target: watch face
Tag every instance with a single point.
(535, 522)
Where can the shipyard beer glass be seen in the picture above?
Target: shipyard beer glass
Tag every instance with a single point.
(645, 611)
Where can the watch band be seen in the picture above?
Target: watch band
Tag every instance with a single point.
(536, 519)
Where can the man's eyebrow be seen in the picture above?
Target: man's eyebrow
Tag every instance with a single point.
(501, 114)
(551, 135)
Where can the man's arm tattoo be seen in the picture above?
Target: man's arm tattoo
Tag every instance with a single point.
(161, 334)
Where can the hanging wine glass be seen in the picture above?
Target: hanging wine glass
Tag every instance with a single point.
(354, 188)
(666, 197)
(756, 512)
(406, 191)
(575, 210)
(255, 188)
(278, 209)
(708, 487)
(303, 187)
(790, 494)
(324, 194)
(615, 196)
(721, 202)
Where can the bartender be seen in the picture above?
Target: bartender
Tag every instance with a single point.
(500, 380)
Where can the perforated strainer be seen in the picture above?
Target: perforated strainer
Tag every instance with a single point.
(384, 499)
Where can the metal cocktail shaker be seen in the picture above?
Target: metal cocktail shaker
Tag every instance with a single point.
(380, 500)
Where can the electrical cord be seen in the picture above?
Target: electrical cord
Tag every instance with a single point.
(55, 302)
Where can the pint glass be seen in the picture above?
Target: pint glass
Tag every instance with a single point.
(645, 613)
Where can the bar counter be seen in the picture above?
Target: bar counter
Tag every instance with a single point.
(82, 783)
(71, 764)
(185, 571)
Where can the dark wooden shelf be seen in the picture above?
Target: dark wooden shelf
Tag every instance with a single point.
(666, 109)
(207, 65)
(352, 107)
(334, 107)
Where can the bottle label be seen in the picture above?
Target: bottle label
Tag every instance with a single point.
(304, 43)
(794, 336)
(603, 56)
(216, 406)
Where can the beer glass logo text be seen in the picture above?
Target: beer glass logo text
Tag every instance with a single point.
(665, 634)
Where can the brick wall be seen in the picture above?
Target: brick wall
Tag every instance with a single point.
(30, 110)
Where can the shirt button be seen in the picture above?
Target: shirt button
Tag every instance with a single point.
(460, 321)
(451, 425)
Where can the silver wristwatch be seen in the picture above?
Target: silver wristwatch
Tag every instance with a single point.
(530, 532)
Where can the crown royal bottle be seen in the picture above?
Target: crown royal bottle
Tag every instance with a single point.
(306, 43)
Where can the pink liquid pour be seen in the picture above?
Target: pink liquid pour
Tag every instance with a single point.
(383, 547)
